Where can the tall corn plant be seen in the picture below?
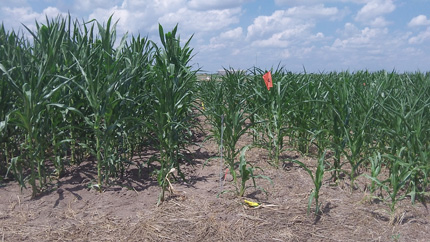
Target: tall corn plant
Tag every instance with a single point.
(173, 90)
(138, 60)
(101, 77)
(35, 79)
(9, 42)
(70, 124)
(62, 113)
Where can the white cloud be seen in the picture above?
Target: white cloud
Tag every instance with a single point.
(276, 41)
(202, 21)
(290, 27)
(14, 17)
(312, 2)
(372, 12)
(284, 38)
(315, 11)
(374, 48)
(232, 34)
(228, 38)
(292, 18)
(421, 37)
(349, 30)
(214, 4)
(263, 25)
(86, 5)
(379, 22)
(367, 37)
(135, 15)
(420, 20)
(126, 20)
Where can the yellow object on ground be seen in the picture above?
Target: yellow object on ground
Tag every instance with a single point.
(251, 204)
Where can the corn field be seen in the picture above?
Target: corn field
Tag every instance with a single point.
(73, 92)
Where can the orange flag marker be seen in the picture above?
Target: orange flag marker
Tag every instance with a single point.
(268, 80)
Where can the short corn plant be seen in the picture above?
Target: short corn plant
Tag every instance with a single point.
(339, 115)
(246, 173)
(228, 112)
(375, 169)
(317, 179)
(400, 174)
(351, 117)
(306, 114)
(271, 116)
(404, 123)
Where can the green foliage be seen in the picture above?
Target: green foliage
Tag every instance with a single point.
(247, 172)
(317, 179)
(375, 169)
(31, 75)
(227, 110)
(70, 96)
(271, 117)
(400, 174)
(173, 91)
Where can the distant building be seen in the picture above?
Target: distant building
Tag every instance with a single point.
(221, 72)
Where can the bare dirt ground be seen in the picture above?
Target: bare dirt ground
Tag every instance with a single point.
(128, 212)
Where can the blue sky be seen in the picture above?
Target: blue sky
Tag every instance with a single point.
(320, 36)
